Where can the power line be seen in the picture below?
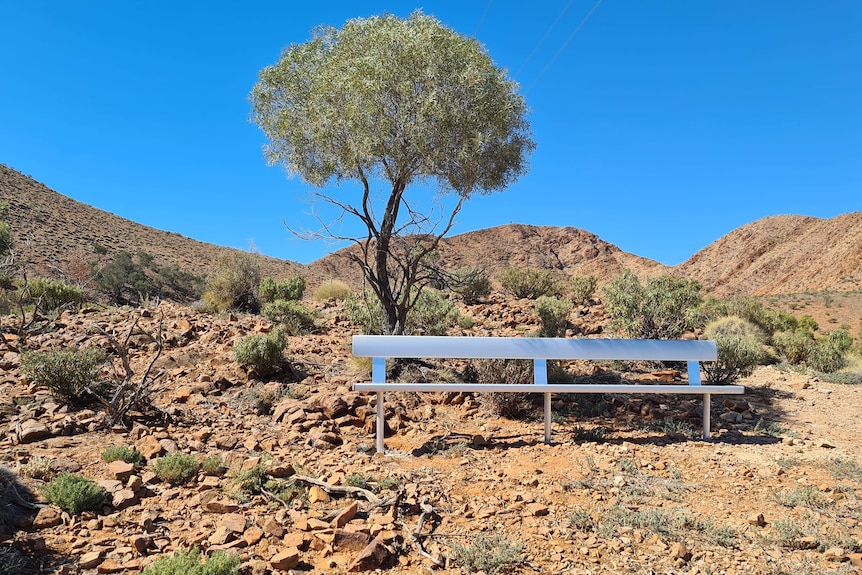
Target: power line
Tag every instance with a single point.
(545, 37)
(482, 19)
(563, 47)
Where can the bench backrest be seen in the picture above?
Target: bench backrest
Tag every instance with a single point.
(539, 349)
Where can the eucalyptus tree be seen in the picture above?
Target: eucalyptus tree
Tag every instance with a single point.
(394, 103)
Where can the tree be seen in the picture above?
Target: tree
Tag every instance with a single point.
(393, 102)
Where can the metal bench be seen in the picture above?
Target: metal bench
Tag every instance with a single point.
(539, 350)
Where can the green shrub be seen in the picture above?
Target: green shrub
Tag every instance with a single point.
(74, 493)
(289, 289)
(192, 563)
(52, 295)
(664, 308)
(553, 314)
(67, 373)
(471, 283)
(292, 314)
(828, 354)
(487, 554)
(175, 468)
(738, 355)
(794, 347)
(234, 284)
(333, 290)
(433, 313)
(213, 465)
(123, 453)
(262, 352)
(530, 283)
(583, 288)
(734, 326)
(124, 280)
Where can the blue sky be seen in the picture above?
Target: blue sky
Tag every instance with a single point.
(660, 125)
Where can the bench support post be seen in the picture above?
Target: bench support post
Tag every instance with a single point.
(707, 407)
(540, 377)
(378, 375)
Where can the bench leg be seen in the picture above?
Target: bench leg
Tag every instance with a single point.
(380, 422)
(547, 418)
(707, 407)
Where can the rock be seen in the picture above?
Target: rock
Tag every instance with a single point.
(110, 566)
(233, 522)
(317, 495)
(90, 560)
(285, 559)
(252, 535)
(373, 556)
(678, 550)
(537, 510)
(346, 515)
(835, 554)
(353, 541)
(221, 506)
(273, 527)
(140, 543)
(756, 519)
(31, 431)
(48, 517)
(333, 406)
(856, 560)
(149, 446)
(121, 470)
(124, 498)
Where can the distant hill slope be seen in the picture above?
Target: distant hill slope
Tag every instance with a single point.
(570, 251)
(58, 227)
(782, 255)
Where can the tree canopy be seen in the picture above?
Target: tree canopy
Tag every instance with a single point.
(399, 101)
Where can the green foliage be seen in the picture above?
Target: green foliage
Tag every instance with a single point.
(333, 290)
(432, 314)
(828, 354)
(471, 283)
(263, 352)
(192, 563)
(213, 465)
(175, 468)
(292, 314)
(124, 279)
(530, 283)
(122, 453)
(487, 554)
(553, 314)
(288, 289)
(183, 284)
(583, 288)
(794, 347)
(5, 231)
(664, 308)
(74, 493)
(52, 295)
(740, 349)
(67, 373)
(234, 284)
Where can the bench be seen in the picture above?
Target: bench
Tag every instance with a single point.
(539, 350)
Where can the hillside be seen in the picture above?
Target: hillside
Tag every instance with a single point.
(57, 228)
(782, 255)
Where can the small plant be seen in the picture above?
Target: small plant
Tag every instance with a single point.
(234, 284)
(74, 493)
(262, 352)
(503, 404)
(123, 453)
(67, 373)
(294, 316)
(471, 283)
(740, 350)
(175, 468)
(794, 347)
(806, 496)
(53, 295)
(583, 288)
(828, 353)
(38, 467)
(433, 313)
(246, 483)
(530, 283)
(488, 554)
(213, 465)
(846, 469)
(333, 290)
(553, 314)
(358, 480)
(290, 289)
(192, 563)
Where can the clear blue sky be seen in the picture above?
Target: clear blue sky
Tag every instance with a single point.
(661, 125)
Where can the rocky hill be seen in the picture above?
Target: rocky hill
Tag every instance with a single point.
(782, 255)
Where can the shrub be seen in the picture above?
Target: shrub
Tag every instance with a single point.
(530, 283)
(175, 468)
(827, 355)
(52, 295)
(553, 314)
(123, 453)
(68, 374)
(738, 355)
(487, 554)
(38, 467)
(333, 290)
(289, 289)
(74, 493)
(734, 326)
(583, 289)
(293, 315)
(213, 465)
(793, 346)
(263, 352)
(124, 280)
(192, 563)
(234, 284)
(471, 283)
(433, 313)
(664, 308)
(503, 404)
